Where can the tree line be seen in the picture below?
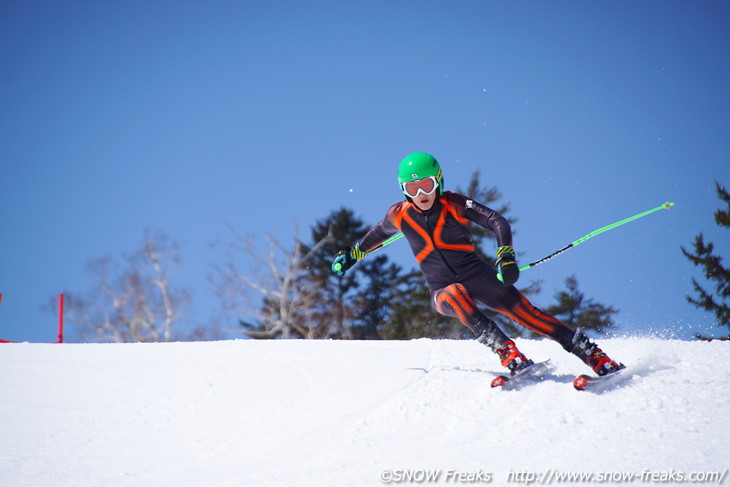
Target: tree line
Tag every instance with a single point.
(289, 291)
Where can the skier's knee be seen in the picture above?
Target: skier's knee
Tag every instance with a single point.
(453, 300)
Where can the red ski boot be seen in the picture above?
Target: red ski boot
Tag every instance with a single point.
(512, 358)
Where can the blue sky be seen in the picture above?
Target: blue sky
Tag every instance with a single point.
(185, 116)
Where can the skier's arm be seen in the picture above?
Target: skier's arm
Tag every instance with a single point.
(489, 219)
(373, 239)
(494, 221)
(377, 235)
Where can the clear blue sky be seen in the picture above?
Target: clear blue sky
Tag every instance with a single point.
(185, 115)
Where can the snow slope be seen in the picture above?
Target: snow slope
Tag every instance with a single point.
(340, 413)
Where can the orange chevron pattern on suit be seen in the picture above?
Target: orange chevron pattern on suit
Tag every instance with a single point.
(441, 242)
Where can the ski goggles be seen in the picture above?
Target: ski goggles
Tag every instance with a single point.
(426, 186)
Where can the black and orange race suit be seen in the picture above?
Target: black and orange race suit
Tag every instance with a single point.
(441, 242)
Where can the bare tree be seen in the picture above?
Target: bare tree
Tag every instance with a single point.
(273, 293)
(132, 301)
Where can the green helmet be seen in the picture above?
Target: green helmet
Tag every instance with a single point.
(420, 165)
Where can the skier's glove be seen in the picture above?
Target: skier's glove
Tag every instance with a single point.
(346, 259)
(507, 266)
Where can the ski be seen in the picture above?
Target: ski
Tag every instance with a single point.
(586, 382)
(507, 381)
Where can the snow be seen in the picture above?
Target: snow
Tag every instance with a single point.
(337, 413)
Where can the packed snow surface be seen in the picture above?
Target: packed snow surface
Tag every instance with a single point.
(343, 413)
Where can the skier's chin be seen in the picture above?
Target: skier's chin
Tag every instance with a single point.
(425, 204)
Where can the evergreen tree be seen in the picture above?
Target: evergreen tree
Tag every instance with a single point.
(336, 295)
(412, 315)
(374, 303)
(704, 256)
(578, 312)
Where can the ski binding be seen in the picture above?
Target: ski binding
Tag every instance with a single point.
(506, 381)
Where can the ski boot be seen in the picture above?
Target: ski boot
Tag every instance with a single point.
(593, 356)
(490, 335)
(512, 358)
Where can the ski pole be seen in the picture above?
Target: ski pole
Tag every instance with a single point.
(392, 239)
(557, 252)
(665, 206)
(387, 242)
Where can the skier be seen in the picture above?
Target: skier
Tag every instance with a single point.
(435, 223)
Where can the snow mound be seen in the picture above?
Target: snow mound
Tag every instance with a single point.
(336, 413)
